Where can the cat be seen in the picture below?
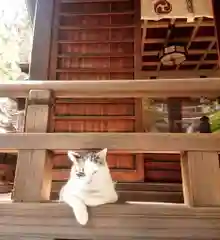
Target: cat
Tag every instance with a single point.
(90, 184)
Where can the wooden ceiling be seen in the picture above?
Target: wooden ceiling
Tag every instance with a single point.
(198, 37)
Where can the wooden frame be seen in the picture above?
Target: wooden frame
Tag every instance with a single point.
(117, 142)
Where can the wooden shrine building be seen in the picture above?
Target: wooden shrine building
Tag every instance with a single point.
(92, 64)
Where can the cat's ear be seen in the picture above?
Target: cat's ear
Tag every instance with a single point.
(102, 154)
(73, 156)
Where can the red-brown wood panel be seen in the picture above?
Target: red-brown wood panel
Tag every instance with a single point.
(96, 41)
(93, 40)
(162, 168)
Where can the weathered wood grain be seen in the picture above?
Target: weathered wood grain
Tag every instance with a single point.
(127, 221)
(201, 178)
(33, 176)
(122, 142)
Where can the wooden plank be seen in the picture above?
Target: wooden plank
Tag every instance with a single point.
(158, 221)
(170, 74)
(150, 196)
(142, 196)
(41, 43)
(157, 187)
(179, 24)
(33, 175)
(194, 87)
(149, 192)
(201, 178)
(122, 142)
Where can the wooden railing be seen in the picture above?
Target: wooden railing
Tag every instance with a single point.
(158, 88)
(199, 162)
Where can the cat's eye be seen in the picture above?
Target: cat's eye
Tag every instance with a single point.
(98, 161)
(77, 157)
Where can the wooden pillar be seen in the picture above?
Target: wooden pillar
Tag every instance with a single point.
(201, 178)
(174, 106)
(40, 55)
(33, 175)
(216, 8)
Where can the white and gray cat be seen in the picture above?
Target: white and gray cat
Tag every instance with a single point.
(90, 184)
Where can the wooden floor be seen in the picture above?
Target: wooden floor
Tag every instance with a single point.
(115, 221)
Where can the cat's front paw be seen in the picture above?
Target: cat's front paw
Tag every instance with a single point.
(82, 218)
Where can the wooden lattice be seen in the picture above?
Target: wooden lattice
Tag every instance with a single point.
(198, 37)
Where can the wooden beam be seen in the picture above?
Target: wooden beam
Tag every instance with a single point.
(40, 54)
(33, 176)
(161, 40)
(201, 179)
(187, 62)
(179, 24)
(123, 142)
(112, 221)
(194, 87)
(189, 52)
(179, 74)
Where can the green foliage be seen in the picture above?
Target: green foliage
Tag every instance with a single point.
(215, 121)
(15, 37)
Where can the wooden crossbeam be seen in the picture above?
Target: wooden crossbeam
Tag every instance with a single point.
(170, 74)
(179, 24)
(184, 39)
(124, 142)
(194, 87)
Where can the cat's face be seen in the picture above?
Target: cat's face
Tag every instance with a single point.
(88, 164)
